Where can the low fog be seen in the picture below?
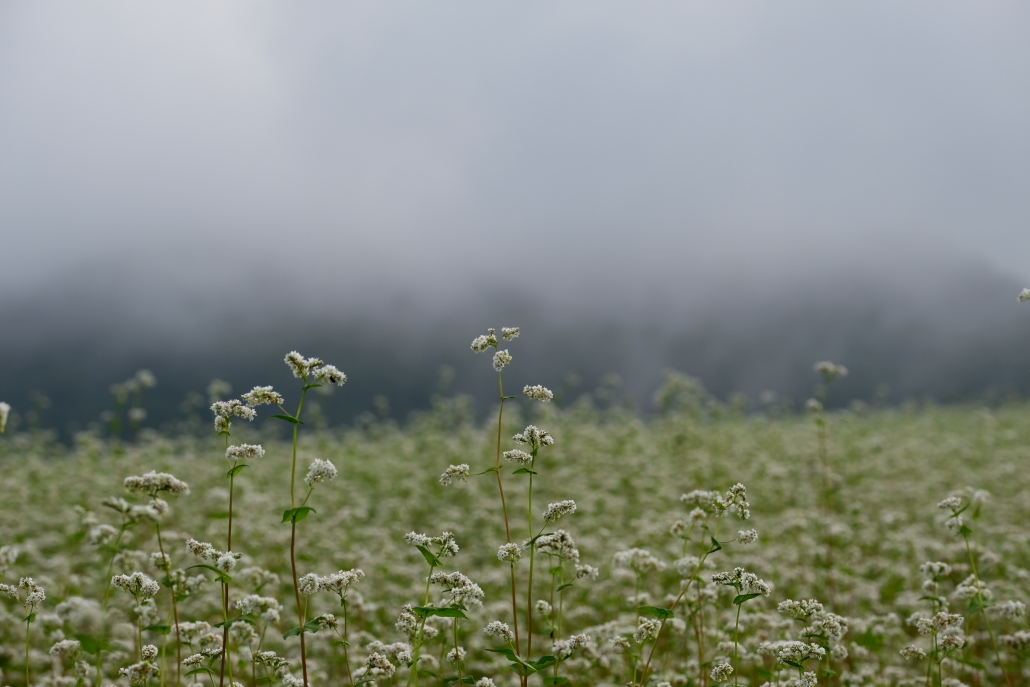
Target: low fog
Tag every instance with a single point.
(732, 190)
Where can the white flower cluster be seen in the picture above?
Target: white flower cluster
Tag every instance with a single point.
(398, 651)
(223, 560)
(262, 395)
(455, 472)
(798, 652)
(517, 456)
(639, 561)
(744, 581)
(153, 482)
(376, 665)
(501, 360)
(5, 412)
(244, 452)
(534, 437)
(1024, 295)
(538, 393)
(721, 672)
(509, 333)
(563, 648)
(225, 411)
(747, 536)
(460, 589)
(558, 543)
(34, 593)
(830, 371)
(320, 471)
(445, 545)
(647, 629)
(499, 629)
(714, 503)
(800, 610)
(484, 341)
(556, 510)
(137, 584)
(510, 552)
(264, 606)
(152, 512)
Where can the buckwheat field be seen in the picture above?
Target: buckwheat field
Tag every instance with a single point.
(698, 546)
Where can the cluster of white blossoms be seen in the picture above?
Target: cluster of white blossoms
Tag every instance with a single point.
(509, 553)
(517, 456)
(376, 666)
(244, 452)
(538, 393)
(453, 472)
(264, 606)
(563, 648)
(499, 629)
(34, 593)
(1024, 295)
(5, 412)
(223, 560)
(153, 512)
(445, 545)
(153, 482)
(640, 561)
(791, 652)
(137, 584)
(744, 581)
(721, 672)
(533, 437)
(747, 536)
(225, 411)
(320, 471)
(799, 610)
(262, 395)
(560, 544)
(647, 629)
(501, 360)
(269, 659)
(830, 371)
(459, 588)
(66, 648)
(715, 503)
(558, 509)
(484, 341)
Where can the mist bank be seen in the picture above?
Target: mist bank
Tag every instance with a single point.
(948, 331)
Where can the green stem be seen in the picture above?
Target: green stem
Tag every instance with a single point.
(983, 611)
(28, 624)
(457, 652)
(736, 635)
(532, 561)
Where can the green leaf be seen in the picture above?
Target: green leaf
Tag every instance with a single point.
(292, 632)
(428, 555)
(868, 640)
(197, 671)
(556, 570)
(451, 612)
(660, 613)
(310, 386)
(523, 471)
(220, 515)
(92, 645)
(287, 418)
(159, 629)
(716, 546)
(233, 621)
(29, 618)
(236, 470)
(974, 605)
(295, 515)
(741, 598)
(533, 540)
(222, 577)
(565, 586)
(476, 474)
(544, 662)
(964, 530)
(555, 680)
(796, 665)
(507, 653)
(341, 643)
(829, 673)
(313, 626)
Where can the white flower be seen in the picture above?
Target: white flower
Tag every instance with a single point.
(517, 456)
(534, 437)
(646, 629)
(501, 359)
(1024, 295)
(509, 333)
(153, 482)
(455, 471)
(499, 629)
(329, 374)
(721, 672)
(747, 536)
(262, 395)
(5, 411)
(299, 365)
(830, 371)
(244, 452)
(320, 471)
(538, 393)
(556, 510)
(509, 552)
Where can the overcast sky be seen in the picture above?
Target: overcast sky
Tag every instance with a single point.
(576, 147)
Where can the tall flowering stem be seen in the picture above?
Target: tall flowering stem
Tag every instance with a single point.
(314, 373)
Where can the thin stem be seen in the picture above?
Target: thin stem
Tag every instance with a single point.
(983, 611)
(346, 643)
(532, 561)
(296, 594)
(736, 633)
(457, 652)
(28, 624)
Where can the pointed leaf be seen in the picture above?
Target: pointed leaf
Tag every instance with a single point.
(523, 471)
(741, 598)
(197, 671)
(92, 645)
(222, 577)
(555, 680)
(716, 546)
(236, 470)
(287, 418)
(292, 632)
(310, 386)
(159, 629)
(476, 474)
(556, 570)
(660, 613)
(428, 555)
(313, 626)
(565, 586)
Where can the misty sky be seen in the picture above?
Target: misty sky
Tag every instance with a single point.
(648, 148)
